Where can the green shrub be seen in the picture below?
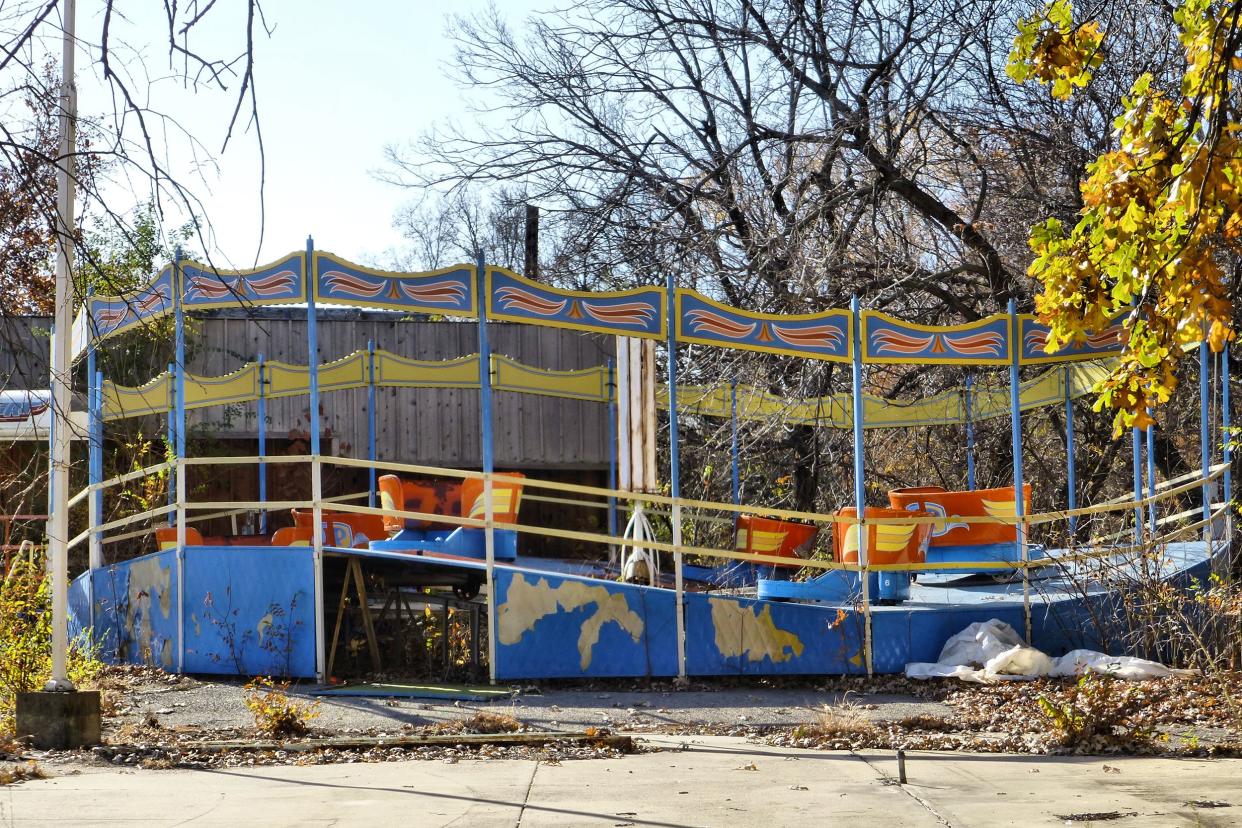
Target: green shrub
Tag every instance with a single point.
(26, 638)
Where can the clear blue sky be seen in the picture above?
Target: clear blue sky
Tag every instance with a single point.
(337, 81)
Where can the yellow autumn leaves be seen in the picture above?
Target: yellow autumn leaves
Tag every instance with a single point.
(1050, 49)
(1156, 210)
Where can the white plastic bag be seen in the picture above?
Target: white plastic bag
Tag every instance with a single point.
(989, 651)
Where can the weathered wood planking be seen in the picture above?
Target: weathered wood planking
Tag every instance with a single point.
(429, 426)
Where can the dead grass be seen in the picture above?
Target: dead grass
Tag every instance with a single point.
(481, 721)
(20, 772)
(844, 722)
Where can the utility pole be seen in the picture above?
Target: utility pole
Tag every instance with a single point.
(532, 242)
(62, 361)
(61, 717)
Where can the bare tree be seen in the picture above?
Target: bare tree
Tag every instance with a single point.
(782, 155)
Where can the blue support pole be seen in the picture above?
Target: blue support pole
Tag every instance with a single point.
(1070, 461)
(262, 443)
(970, 431)
(860, 492)
(1150, 440)
(1136, 452)
(182, 472)
(1136, 458)
(94, 467)
(172, 438)
(733, 449)
(51, 452)
(371, 419)
(1226, 437)
(674, 455)
(485, 378)
(1019, 488)
(1205, 439)
(488, 447)
(612, 447)
(317, 534)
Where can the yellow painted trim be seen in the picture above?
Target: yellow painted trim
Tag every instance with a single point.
(392, 371)
(590, 384)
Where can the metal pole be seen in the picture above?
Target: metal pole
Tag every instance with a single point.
(262, 443)
(612, 448)
(970, 432)
(1151, 475)
(371, 419)
(1205, 440)
(51, 465)
(1071, 465)
(1136, 452)
(674, 460)
(733, 450)
(94, 467)
(860, 492)
(312, 373)
(1227, 448)
(93, 449)
(96, 472)
(1015, 423)
(172, 439)
(179, 323)
(487, 441)
(61, 375)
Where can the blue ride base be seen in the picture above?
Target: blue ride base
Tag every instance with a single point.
(250, 611)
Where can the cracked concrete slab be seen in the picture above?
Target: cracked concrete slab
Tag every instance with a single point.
(691, 781)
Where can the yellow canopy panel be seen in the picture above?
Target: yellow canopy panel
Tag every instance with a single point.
(591, 384)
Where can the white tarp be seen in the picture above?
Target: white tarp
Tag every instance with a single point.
(988, 651)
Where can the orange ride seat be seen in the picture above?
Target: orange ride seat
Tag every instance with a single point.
(780, 538)
(886, 543)
(166, 538)
(506, 498)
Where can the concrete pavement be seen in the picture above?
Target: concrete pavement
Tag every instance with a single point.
(713, 781)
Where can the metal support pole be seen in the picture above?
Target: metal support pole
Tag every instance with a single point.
(733, 449)
(970, 431)
(1205, 439)
(1226, 441)
(371, 419)
(51, 465)
(312, 370)
(860, 492)
(1136, 451)
(172, 440)
(612, 448)
(94, 448)
(1150, 436)
(262, 443)
(94, 404)
(1070, 462)
(674, 460)
(179, 323)
(96, 496)
(1019, 489)
(489, 459)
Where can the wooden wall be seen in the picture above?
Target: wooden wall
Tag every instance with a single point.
(437, 427)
